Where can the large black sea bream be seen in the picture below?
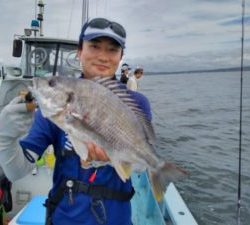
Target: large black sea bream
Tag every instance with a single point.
(102, 111)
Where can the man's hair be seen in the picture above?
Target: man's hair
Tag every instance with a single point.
(125, 64)
(80, 42)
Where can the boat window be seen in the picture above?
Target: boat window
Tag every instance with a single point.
(68, 63)
(47, 59)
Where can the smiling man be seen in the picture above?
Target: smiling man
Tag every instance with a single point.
(79, 196)
(101, 52)
(100, 56)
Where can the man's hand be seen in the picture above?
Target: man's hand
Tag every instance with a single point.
(95, 153)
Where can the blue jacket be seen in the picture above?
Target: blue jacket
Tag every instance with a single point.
(44, 133)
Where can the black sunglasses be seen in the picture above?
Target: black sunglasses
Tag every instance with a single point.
(102, 23)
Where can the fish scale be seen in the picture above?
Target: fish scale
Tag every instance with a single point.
(107, 129)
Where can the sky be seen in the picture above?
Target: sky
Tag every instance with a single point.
(162, 35)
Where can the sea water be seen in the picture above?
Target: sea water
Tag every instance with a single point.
(196, 118)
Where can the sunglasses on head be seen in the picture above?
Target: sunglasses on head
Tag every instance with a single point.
(102, 23)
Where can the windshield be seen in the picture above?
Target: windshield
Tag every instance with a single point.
(47, 59)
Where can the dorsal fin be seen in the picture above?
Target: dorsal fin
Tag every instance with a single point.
(121, 91)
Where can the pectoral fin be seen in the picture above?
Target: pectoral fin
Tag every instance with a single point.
(80, 147)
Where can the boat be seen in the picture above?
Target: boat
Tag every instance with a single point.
(48, 56)
(172, 210)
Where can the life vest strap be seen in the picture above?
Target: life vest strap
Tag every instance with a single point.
(75, 186)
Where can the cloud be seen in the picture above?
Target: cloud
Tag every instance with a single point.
(236, 21)
(162, 34)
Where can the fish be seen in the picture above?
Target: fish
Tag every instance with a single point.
(102, 110)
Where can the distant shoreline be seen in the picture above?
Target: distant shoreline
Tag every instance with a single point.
(246, 68)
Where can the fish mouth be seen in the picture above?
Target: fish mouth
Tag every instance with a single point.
(47, 108)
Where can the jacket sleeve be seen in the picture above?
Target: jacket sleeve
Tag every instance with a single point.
(39, 137)
(143, 103)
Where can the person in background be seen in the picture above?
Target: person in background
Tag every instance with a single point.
(79, 196)
(124, 73)
(132, 83)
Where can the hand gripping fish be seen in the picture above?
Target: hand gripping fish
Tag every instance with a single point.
(102, 111)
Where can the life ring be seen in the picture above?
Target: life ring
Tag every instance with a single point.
(40, 60)
(73, 60)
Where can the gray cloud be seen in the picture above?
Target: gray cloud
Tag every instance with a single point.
(162, 34)
(236, 21)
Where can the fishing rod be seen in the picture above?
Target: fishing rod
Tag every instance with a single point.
(240, 128)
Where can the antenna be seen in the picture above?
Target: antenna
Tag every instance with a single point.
(35, 9)
(40, 15)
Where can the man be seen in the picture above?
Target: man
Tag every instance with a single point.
(133, 80)
(78, 196)
(124, 73)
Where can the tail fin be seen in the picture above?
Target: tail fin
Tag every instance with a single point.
(165, 173)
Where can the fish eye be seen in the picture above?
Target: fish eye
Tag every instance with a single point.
(52, 82)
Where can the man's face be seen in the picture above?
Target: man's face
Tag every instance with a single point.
(100, 57)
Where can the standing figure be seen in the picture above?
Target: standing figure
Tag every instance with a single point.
(133, 80)
(124, 73)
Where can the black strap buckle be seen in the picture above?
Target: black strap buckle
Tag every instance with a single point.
(81, 187)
